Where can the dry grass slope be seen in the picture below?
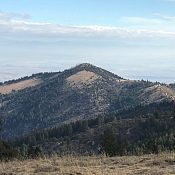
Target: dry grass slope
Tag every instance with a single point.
(6, 89)
(82, 78)
(162, 164)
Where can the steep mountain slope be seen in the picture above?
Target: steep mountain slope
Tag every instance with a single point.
(143, 129)
(82, 92)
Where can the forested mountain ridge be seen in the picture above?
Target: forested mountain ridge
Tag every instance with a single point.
(82, 92)
(139, 130)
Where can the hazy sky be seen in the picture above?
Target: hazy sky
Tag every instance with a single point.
(132, 38)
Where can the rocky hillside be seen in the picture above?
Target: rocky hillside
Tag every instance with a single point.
(83, 92)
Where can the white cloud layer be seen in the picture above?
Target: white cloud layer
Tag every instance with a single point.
(14, 25)
(9, 16)
(136, 47)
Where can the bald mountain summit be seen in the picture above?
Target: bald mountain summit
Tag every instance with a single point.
(84, 92)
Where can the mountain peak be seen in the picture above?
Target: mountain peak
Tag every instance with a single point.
(97, 70)
(82, 92)
(85, 64)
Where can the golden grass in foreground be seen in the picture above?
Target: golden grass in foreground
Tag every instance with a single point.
(162, 164)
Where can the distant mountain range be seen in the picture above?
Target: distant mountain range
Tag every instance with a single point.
(47, 100)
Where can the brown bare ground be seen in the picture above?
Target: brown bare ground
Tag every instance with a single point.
(162, 164)
(82, 77)
(6, 89)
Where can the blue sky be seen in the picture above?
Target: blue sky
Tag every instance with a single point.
(132, 38)
(88, 12)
